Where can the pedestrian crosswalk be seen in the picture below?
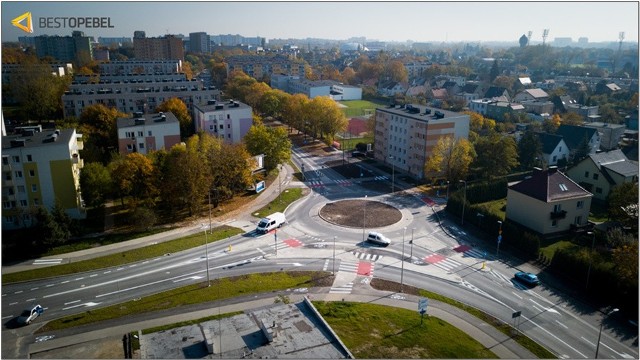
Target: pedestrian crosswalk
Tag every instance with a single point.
(344, 289)
(367, 256)
(478, 254)
(315, 184)
(381, 178)
(342, 182)
(348, 266)
(441, 262)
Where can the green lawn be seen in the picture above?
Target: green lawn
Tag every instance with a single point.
(359, 107)
(280, 203)
(382, 332)
(495, 206)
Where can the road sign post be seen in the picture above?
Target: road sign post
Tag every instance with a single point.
(515, 316)
(422, 308)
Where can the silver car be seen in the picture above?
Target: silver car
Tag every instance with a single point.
(28, 315)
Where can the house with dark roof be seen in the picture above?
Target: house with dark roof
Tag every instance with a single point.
(392, 88)
(496, 92)
(553, 148)
(469, 92)
(601, 172)
(548, 202)
(574, 136)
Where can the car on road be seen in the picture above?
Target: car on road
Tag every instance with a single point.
(378, 239)
(527, 278)
(28, 315)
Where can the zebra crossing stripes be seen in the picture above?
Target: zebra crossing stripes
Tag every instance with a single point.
(441, 262)
(381, 178)
(344, 289)
(342, 182)
(315, 184)
(326, 265)
(348, 266)
(367, 256)
(475, 254)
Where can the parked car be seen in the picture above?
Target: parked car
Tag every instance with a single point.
(30, 314)
(527, 278)
(378, 239)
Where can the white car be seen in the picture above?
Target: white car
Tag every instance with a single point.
(28, 315)
(378, 239)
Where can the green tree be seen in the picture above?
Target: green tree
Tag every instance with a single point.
(496, 155)
(178, 108)
(100, 132)
(625, 259)
(450, 159)
(326, 118)
(239, 85)
(581, 151)
(133, 175)
(231, 167)
(495, 71)
(294, 112)
(273, 142)
(623, 204)
(37, 91)
(529, 150)
(95, 183)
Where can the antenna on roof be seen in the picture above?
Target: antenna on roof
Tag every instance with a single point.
(545, 33)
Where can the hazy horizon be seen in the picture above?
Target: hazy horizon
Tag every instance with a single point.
(340, 21)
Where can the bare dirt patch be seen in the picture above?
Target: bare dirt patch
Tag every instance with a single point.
(353, 213)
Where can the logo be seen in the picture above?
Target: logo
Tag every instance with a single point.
(28, 28)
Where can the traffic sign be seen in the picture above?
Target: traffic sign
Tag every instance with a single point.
(422, 305)
(516, 314)
(499, 238)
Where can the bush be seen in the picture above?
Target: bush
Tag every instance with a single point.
(142, 219)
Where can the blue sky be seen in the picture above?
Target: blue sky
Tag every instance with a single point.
(386, 21)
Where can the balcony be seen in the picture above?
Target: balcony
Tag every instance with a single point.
(555, 215)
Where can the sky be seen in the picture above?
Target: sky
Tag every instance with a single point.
(427, 21)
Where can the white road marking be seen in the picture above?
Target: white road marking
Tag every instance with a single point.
(561, 324)
(64, 282)
(18, 292)
(72, 302)
(80, 278)
(35, 288)
(106, 272)
(13, 303)
(520, 297)
(587, 341)
(623, 355)
(546, 309)
(49, 285)
(30, 300)
(94, 275)
(88, 304)
(6, 317)
(195, 277)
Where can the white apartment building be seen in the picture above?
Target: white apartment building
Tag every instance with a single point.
(337, 91)
(406, 135)
(130, 67)
(133, 97)
(38, 169)
(228, 120)
(144, 133)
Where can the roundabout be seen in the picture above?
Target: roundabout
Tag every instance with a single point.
(359, 213)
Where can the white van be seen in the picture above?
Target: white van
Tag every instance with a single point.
(271, 222)
(378, 239)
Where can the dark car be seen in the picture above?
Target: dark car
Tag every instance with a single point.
(527, 278)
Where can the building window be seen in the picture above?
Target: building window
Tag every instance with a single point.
(29, 158)
(140, 133)
(598, 190)
(595, 176)
(21, 189)
(228, 116)
(34, 188)
(228, 126)
(141, 145)
(16, 159)
(23, 203)
(18, 174)
(130, 134)
(229, 136)
(557, 208)
(149, 132)
(554, 159)
(221, 127)
(210, 127)
(129, 147)
(5, 160)
(578, 220)
(7, 175)
(580, 204)
(586, 174)
(554, 223)
(6, 204)
(32, 173)
(36, 201)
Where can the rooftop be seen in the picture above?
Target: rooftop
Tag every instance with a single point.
(420, 112)
(32, 139)
(549, 185)
(213, 105)
(147, 119)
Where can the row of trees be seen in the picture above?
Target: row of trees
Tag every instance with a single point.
(319, 117)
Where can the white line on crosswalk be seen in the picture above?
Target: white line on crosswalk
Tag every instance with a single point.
(447, 264)
(326, 265)
(475, 253)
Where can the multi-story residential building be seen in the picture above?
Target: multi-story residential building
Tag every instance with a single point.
(228, 120)
(406, 135)
(126, 79)
(538, 106)
(234, 40)
(40, 168)
(199, 42)
(599, 173)
(168, 47)
(416, 69)
(144, 133)
(133, 67)
(259, 66)
(131, 97)
(115, 41)
(548, 202)
(333, 89)
(65, 48)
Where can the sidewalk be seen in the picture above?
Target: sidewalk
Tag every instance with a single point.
(502, 345)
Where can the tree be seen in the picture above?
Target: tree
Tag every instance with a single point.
(495, 71)
(238, 85)
(273, 142)
(133, 175)
(349, 76)
(623, 204)
(95, 183)
(395, 70)
(625, 259)
(49, 230)
(231, 167)
(496, 155)
(572, 118)
(504, 82)
(450, 158)
(254, 94)
(523, 41)
(37, 91)
(326, 118)
(551, 125)
(294, 112)
(529, 150)
(100, 132)
(581, 151)
(178, 108)
(272, 103)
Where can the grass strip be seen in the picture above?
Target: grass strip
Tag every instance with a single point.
(280, 203)
(189, 322)
(130, 256)
(372, 331)
(224, 288)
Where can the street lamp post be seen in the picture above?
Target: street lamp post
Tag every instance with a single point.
(465, 199)
(402, 270)
(334, 256)
(593, 244)
(411, 242)
(499, 238)
(364, 217)
(279, 185)
(600, 333)
(393, 173)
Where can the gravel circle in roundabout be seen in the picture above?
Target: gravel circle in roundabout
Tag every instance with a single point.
(353, 213)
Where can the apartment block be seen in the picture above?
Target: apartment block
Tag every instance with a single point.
(333, 89)
(38, 169)
(405, 135)
(199, 42)
(257, 66)
(168, 47)
(65, 48)
(228, 120)
(130, 97)
(134, 67)
(144, 133)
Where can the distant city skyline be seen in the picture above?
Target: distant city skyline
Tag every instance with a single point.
(383, 21)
